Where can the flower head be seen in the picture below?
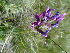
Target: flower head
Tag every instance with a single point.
(44, 19)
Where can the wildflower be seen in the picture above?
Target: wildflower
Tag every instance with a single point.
(45, 20)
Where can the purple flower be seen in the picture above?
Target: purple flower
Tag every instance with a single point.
(44, 19)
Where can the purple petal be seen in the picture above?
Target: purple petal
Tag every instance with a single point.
(63, 15)
(36, 23)
(60, 18)
(56, 15)
(43, 33)
(42, 14)
(40, 31)
(45, 19)
(48, 24)
(56, 24)
(47, 8)
(50, 10)
(49, 28)
(37, 17)
(47, 31)
(32, 27)
(47, 14)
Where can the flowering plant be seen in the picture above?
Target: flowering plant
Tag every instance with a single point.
(45, 20)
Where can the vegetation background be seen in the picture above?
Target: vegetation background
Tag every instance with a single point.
(16, 35)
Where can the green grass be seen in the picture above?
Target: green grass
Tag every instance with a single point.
(17, 37)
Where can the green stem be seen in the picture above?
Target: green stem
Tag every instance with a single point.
(58, 45)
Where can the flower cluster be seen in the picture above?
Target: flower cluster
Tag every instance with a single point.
(45, 19)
